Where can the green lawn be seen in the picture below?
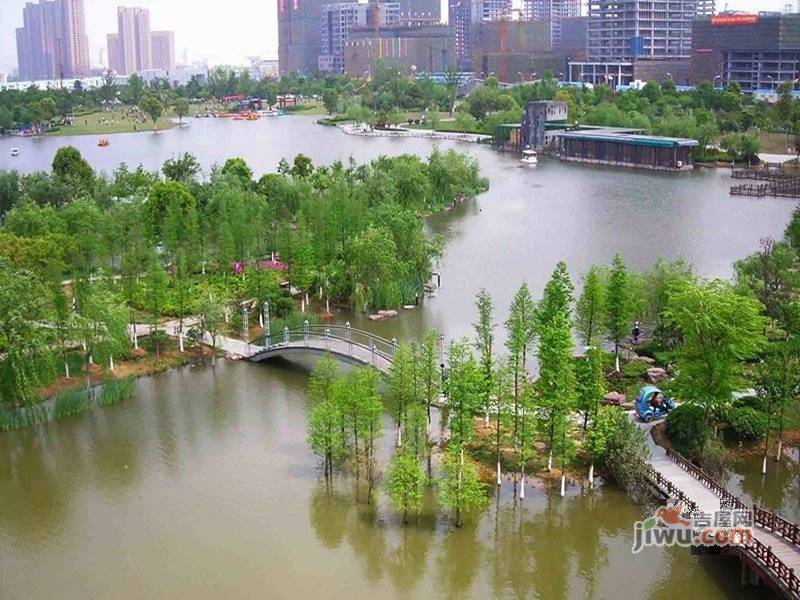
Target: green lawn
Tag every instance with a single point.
(113, 121)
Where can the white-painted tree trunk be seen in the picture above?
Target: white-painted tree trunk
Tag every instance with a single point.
(563, 485)
(66, 369)
(180, 340)
(327, 306)
(550, 462)
(91, 360)
(522, 487)
(499, 480)
(616, 363)
(110, 363)
(486, 418)
(591, 475)
(135, 340)
(261, 320)
(302, 305)
(83, 345)
(779, 453)
(306, 298)
(399, 436)
(764, 466)
(227, 316)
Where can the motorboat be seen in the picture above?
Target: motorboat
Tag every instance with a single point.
(103, 142)
(15, 152)
(529, 157)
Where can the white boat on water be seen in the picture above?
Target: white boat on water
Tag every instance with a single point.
(529, 157)
(15, 152)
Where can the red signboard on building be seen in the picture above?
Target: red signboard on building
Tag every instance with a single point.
(733, 20)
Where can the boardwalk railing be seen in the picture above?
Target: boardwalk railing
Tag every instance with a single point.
(729, 499)
(375, 345)
(761, 517)
(776, 566)
(669, 487)
(778, 525)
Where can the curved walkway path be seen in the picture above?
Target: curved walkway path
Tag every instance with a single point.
(777, 555)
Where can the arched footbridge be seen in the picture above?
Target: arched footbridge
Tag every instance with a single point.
(341, 341)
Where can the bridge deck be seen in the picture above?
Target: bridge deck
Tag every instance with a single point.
(708, 501)
(341, 348)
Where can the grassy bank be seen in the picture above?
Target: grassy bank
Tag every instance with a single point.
(118, 120)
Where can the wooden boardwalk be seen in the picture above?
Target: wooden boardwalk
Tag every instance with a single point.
(708, 497)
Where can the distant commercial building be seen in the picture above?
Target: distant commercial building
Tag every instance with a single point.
(573, 37)
(509, 50)
(755, 51)
(419, 12)
(465, 14)
(706, 8)
(137, 49)
(112, 49)
(299, 35)
(52, 43)
(339, 18)
(162, 50)
(263, 68)
(551, 12)
(427, 49)
(637, 39)
(133, 34)
(608, 147)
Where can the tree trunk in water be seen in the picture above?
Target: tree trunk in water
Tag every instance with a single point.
(764, 466)
(591, 475)
(550, 462)
(779, 453)
(180, 339)
(522, 484)
(563, 484)
(499, 480)
(458, 488)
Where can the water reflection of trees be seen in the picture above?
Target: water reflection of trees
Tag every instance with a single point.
(778, 490)
(546, 546)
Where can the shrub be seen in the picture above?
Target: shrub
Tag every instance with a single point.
(686, 428)
(714, 459)
(746, 423)
(634, 370)
(626, 450)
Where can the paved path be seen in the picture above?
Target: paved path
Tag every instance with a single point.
(230, 346)
(708, 501)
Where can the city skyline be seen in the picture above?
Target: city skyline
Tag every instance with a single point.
(220, 37)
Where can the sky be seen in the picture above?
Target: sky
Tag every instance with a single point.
(219, 31)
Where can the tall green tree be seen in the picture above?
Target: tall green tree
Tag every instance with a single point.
(590, 388)
(619, 304)
(484, 342)
(590, 308)
(720, 329)
(405, 480)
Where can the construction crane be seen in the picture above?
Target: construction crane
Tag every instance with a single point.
(376, 25)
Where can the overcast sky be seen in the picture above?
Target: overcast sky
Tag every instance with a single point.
(224, 34)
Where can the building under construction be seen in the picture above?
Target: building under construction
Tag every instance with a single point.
(757, 51)
(426, 49)
(508, 50)
(552, 12)
(624, 33)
